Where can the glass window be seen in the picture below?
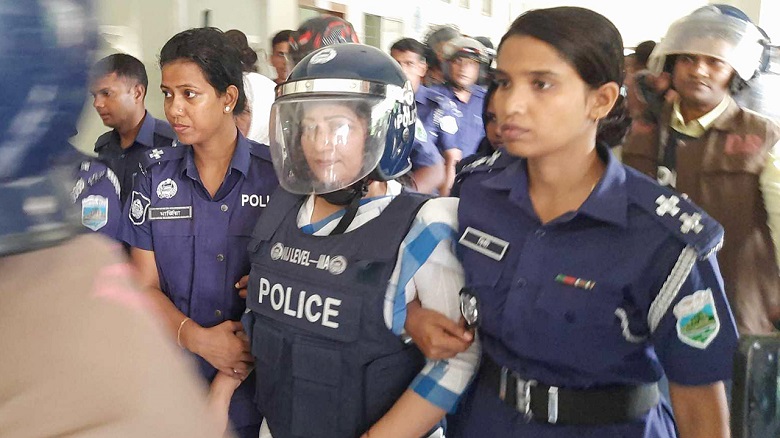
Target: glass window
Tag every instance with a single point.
(392, 31)
(372, 26)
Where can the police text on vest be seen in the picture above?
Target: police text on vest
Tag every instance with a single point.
(255, 200)
(305, 305)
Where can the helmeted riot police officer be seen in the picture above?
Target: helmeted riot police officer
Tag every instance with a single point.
(340, 252)
(722, 156)
(465, 57)
(80, 355)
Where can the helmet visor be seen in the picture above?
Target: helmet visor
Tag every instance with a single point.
(713, 34)
(323, 144)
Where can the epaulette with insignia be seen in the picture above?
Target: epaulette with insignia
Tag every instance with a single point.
(89, 173)
(497, 160)
(103, 140)
(260, 150)
(153, 156)
(685, 220)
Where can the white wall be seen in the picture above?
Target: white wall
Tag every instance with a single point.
(637, 20)
(419, 15)
(769, 19)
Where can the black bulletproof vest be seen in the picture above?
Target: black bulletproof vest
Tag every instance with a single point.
(326, 363)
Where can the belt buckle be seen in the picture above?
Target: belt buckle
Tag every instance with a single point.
(523, 392)
(524, 397)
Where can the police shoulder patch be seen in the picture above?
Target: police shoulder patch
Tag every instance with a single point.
(676, 213)
(448, 124)
(94, 212)
(697, 319)
(139, 204)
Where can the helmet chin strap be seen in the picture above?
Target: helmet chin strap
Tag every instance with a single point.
(350, 197)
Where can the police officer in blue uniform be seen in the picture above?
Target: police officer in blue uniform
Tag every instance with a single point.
(437, 128)
(118, 84)
(465, 58)
(192, 210)
(591, 281)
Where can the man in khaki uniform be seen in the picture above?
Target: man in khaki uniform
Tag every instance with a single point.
(79, 354)
(723, 157)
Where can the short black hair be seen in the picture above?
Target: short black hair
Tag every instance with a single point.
(282, 36)
(409, 45)
(209, 49)
(124, 65)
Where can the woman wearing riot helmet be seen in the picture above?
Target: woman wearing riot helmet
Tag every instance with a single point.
(339, 253)
(591, 279)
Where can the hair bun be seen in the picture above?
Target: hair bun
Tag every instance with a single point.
(613, 128)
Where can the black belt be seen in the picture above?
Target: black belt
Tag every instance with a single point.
(550, 404)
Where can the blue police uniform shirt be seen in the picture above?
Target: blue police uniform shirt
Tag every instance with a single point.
(437, 128)
(200, 242)
(471, 129)
(125, 163)
(655, 303)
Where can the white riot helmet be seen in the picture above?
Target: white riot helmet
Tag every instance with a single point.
(712, 31)
(468, 48)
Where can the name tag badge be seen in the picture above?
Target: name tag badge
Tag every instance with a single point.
(169, 213)
(484, 243)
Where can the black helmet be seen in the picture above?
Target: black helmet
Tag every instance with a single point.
(44, 60)
(345, 115)
(317, 33)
